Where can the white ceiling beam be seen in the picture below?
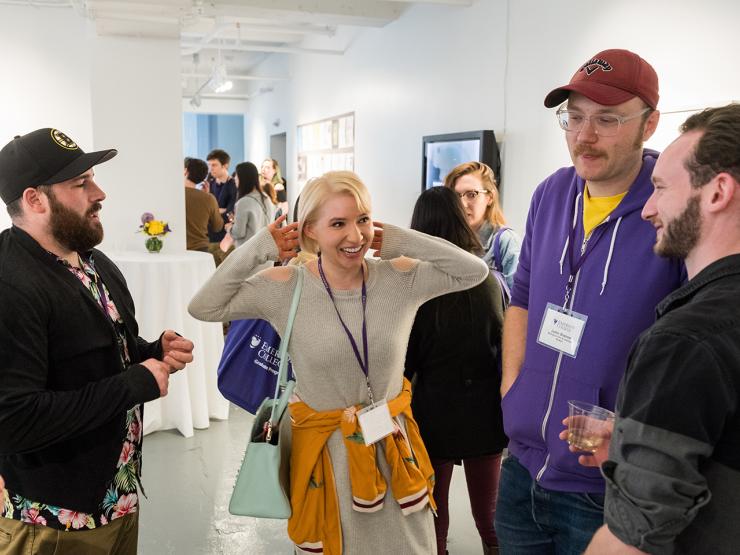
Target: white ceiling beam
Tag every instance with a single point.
(373, 13)
(222, 96)
(38, 3)
(367, 13)
(139, 5)
(136, 28)
(237, 77)
(466, 3)
(131, 16)
(203, 43)
(247, 47)
(296, 29)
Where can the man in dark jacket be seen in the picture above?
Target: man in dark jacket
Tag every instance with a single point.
(74, 372)
(673, 468)
(223, 187)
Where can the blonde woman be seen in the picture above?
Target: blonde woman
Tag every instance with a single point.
(348, 349)
(475, 184)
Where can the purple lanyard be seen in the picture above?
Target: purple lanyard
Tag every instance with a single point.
(575, 265)
(364, 364)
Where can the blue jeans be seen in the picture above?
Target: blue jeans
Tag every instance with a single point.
(531, 520)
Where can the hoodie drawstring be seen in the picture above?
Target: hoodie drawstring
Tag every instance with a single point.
(567, 238)
(609, 256)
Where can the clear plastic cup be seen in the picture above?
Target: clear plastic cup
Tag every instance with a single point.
(588, 425)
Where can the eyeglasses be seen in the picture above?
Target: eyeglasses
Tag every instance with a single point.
(604, 125)
(472, 195)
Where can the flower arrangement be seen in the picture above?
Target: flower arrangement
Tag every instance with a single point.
(154, 229)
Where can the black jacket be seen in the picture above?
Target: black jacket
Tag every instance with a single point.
(63, 389)
(673, 473)
(225, 194)
(453, 362)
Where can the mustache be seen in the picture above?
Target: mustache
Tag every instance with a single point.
(94, 208)
(580, 150)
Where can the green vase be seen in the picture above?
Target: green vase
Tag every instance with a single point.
(154, 244)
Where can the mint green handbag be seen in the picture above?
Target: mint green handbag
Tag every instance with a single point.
(263, 483)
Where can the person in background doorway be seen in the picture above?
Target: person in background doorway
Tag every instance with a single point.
(201, 208)
(74, 373)
(274, 185)
(586, 286)
(475, 184)
(453, 360)
(222, 186)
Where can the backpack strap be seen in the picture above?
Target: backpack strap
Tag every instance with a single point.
(497, 249)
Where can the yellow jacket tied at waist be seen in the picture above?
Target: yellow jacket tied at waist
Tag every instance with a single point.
(315, 523)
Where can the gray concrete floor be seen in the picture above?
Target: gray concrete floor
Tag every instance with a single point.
(189, 480)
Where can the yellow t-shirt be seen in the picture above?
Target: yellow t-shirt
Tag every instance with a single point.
(596, 209)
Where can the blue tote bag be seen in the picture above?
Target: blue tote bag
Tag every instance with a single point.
(248, 371)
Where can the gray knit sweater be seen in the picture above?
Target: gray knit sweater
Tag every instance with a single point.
(252, 212)
(327, 372)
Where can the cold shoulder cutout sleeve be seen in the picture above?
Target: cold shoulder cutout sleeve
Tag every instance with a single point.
(237, 290)
(441, 268)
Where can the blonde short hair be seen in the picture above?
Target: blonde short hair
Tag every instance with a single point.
(493, 214)
(318, 190)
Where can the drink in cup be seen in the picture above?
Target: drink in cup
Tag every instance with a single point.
(588, 425)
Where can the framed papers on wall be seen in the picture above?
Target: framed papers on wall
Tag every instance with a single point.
(325, 145)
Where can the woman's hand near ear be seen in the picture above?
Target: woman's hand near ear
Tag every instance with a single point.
(286, 237)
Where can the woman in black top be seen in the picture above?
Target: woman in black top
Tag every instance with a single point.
(453, 362)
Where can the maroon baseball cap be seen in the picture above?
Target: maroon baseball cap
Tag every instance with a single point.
(609, 78)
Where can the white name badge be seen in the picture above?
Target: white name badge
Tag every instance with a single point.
(376, 423)
(561, 329)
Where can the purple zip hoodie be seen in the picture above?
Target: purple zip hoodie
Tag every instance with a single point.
(618, 288)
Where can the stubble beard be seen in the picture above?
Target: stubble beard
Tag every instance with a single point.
(681, 234)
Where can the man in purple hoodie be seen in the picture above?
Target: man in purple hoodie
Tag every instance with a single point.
(586, 286)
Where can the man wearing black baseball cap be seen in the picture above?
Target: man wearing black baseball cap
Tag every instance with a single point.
(74, 372)
(586, 286)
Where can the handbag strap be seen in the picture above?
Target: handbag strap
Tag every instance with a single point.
(281, 401)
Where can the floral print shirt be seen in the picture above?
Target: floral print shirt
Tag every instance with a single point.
(121, 495)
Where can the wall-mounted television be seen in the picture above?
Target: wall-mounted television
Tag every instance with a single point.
(441, 153)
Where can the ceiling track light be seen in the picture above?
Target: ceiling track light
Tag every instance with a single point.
(219, 81)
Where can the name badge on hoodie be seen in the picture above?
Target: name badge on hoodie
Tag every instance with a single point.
(561, 329)
(376, 423)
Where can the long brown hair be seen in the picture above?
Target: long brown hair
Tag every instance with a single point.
(494, 214)
(439, 212)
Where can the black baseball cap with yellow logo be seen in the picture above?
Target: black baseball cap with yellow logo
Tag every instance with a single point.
(43, 157)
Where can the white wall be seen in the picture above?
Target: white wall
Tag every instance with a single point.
(104, 92)
(438, 69)
(136, 107)
(46, 78)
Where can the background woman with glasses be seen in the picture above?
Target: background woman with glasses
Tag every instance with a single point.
(475, 184)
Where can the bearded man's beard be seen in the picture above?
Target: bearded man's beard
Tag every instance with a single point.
(72, 231)
(681, 234)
